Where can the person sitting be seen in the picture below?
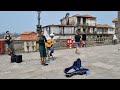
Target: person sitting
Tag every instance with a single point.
(50, 44)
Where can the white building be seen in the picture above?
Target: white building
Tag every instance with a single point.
(64, 31)
(115, 21)
(70, 24)
(81, 21)
(105, 29)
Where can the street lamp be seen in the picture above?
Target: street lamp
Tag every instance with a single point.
(39, 27)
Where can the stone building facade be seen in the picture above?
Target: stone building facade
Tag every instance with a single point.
(70, 24)
(116, 21)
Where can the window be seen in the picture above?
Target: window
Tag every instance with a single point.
(49, 31)
(78, 21)
(84, 20)
(79, 30)
(61, 30)
(111, 29)
(84, 30)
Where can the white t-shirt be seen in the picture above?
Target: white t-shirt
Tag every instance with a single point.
(114, 37)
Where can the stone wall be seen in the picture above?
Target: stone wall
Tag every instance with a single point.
(92, 40)
(21, 45)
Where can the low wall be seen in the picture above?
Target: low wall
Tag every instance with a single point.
(24, 45)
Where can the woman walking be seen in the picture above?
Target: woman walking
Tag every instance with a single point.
(42, 40)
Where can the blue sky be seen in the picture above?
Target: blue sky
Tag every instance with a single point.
(21, 21)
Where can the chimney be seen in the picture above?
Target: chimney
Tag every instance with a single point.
(67, 18)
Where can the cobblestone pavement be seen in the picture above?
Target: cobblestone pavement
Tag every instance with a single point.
(103, 62)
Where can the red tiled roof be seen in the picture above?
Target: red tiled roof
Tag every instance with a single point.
(27, 32)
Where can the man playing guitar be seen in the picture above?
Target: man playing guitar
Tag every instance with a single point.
(50, 44)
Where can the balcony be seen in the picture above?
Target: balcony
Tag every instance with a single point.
(87, 24)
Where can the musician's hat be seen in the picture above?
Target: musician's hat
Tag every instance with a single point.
(51, 34)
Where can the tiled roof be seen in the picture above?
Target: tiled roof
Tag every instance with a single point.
(104, 26)
(115, 20)
(57, 25)
(85, 15)
(88, 16)
(78, 15)
(27, 32)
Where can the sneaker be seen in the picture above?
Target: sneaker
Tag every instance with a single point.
(45, 64)
(78, 53)
(50, 54)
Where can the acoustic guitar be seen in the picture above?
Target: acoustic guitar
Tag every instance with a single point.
(49, 43)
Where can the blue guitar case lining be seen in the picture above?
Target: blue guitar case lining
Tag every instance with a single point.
(78, 69)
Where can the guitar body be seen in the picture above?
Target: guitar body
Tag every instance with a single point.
(49, 43)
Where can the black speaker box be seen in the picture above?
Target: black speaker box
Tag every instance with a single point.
(13, 58)
(16, 58)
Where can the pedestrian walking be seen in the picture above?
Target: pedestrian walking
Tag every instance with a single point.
(77, 39)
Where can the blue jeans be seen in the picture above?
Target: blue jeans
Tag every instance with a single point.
(51, 48)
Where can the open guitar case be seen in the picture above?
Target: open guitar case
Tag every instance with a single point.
(78, 69)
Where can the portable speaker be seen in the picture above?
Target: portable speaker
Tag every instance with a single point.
(13, 58)
(18, 58)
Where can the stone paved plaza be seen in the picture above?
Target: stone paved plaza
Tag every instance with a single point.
(103, 62)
